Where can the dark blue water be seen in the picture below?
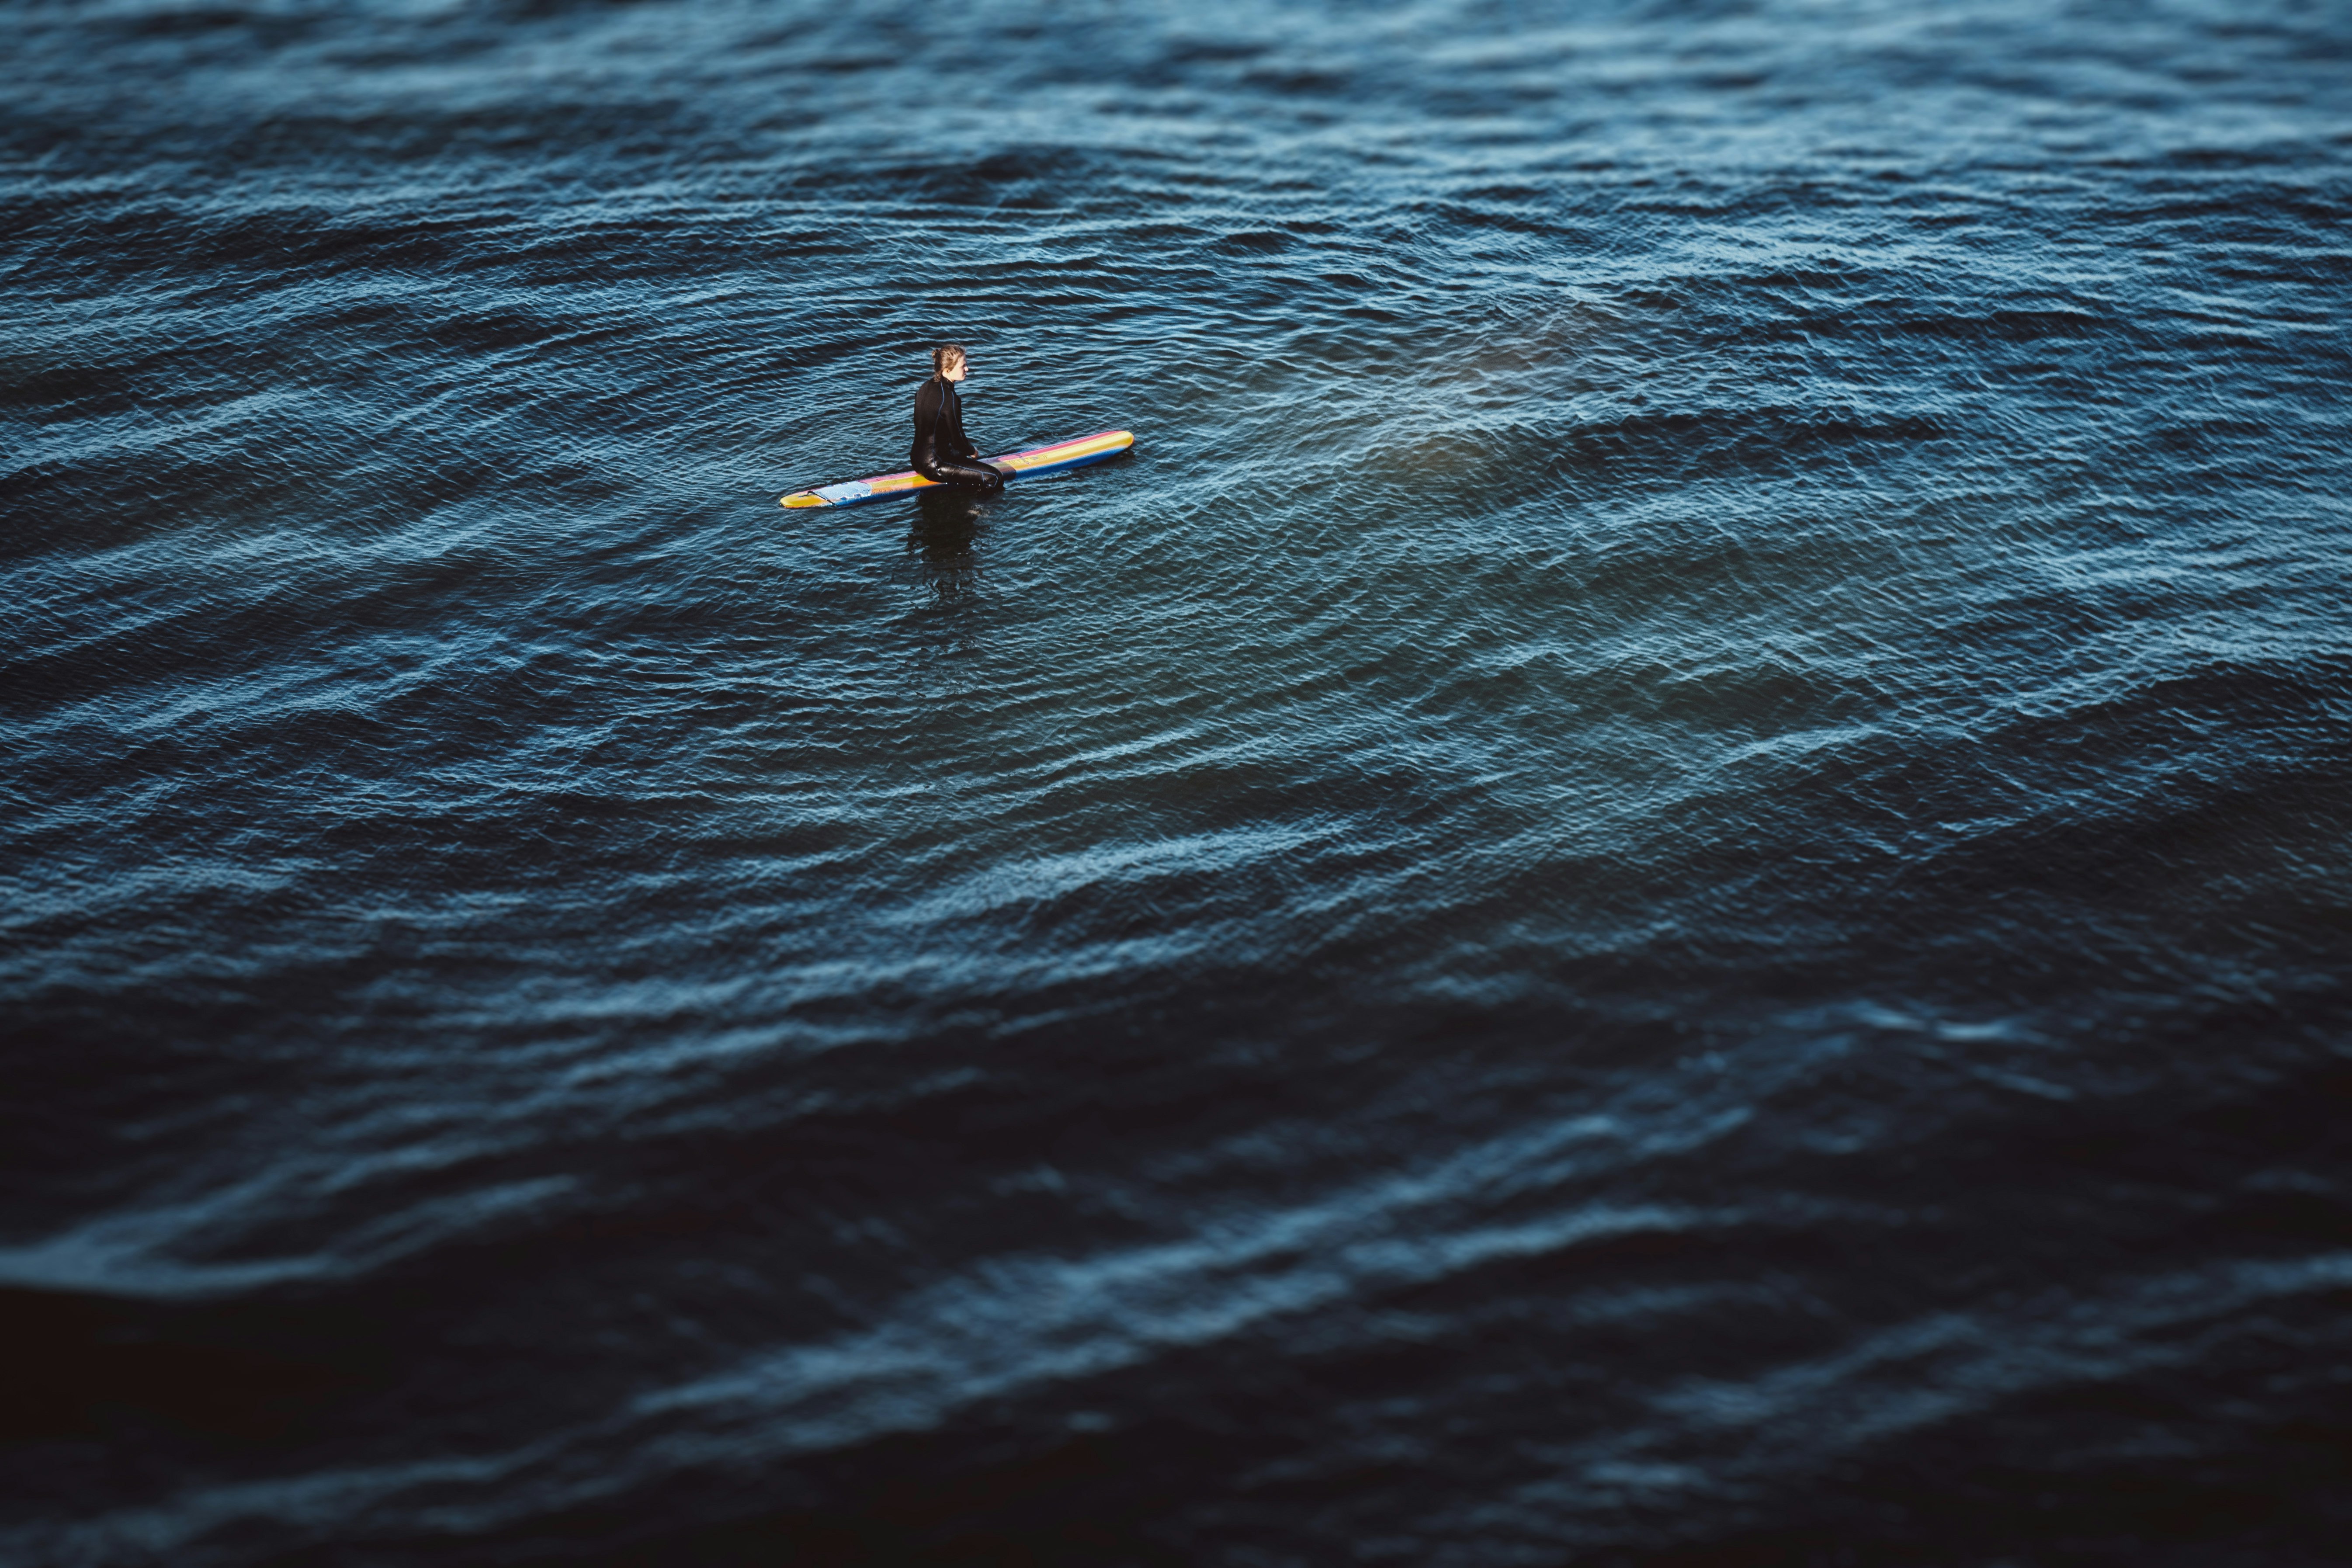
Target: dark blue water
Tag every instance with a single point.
(1668, 878)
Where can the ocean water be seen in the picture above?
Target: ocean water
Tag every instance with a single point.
(1666, 879)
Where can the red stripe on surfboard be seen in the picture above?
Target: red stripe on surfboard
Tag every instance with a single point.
(1073, 441)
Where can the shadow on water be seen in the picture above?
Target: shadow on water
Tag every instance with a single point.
(943, 536)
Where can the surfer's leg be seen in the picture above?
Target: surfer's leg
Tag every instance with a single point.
(978, 476)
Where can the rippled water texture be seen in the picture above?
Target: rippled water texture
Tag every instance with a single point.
(1664, 879)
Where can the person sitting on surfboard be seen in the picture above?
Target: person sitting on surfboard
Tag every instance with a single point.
(943, 453)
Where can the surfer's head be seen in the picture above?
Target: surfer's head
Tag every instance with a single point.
(946, 362)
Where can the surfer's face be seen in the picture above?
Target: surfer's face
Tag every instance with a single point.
(954, 371)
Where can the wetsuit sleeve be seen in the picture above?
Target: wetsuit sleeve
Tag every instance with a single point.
(963, 447)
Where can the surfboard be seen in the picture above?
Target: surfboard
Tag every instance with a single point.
(1031, 464)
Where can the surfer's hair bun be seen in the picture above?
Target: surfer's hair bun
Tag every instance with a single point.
(947, 354)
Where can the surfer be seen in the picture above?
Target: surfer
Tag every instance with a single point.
(943, 453)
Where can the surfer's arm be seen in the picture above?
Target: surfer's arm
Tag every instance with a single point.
(926, 450)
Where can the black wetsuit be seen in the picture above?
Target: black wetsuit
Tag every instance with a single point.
(942, 451)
